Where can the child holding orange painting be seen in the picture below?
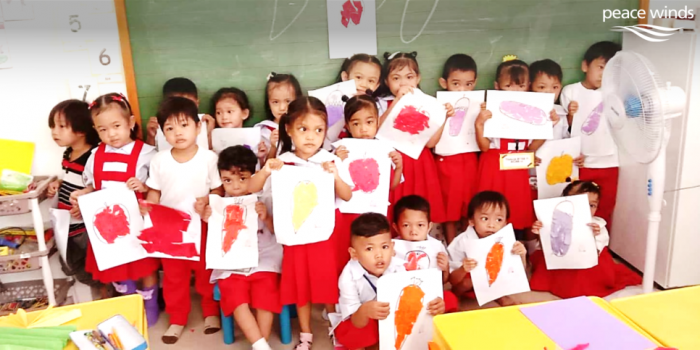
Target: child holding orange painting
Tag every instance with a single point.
(488, 213)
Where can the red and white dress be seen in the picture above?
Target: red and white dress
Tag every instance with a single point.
(266, 129)
(110, 167)
(513, 184)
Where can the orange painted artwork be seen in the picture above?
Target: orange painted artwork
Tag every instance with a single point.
(494, 261)
(234, 223)
(409, 307)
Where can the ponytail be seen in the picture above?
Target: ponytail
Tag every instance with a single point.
(284, 140)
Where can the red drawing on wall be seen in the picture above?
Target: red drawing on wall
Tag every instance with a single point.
(411, 120)
(234, 223)
(166, 234)
(352, 11)
(111, 223)
(413, 260)
(364, 174)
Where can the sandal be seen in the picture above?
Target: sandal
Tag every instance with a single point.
(212, 324)
(305, 341)
(172, 335)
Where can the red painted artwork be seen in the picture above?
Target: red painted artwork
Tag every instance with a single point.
(364, 174)
(352, 11)
(165, 236)
(413, 258)
(411, 120)
(234, 223)
(112, 223)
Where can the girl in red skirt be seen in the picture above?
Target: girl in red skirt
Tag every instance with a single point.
(399, 77)
(115, 124)
(601, 280)
(309, 272)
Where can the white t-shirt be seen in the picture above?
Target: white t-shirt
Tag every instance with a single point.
(142, 164)
(316, 161)
(561, 130)
(419, 255)
(178, 182)
(606, 155)
(356, 289)
(456, 248)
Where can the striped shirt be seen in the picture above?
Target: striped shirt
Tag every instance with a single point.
(72, 181)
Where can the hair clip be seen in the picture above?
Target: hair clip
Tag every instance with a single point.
(269, 76)
(92, 104)
(414, 54)
(391, 57)
(507, 58)
(119, 98)
(595, 184)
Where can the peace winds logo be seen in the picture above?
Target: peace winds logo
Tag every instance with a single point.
(650, 32)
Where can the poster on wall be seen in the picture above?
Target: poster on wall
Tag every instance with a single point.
(352, 27)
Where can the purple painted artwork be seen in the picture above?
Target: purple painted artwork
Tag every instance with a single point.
(590, 125)
(523, 112)
(335, 107)
(461, 107)
(562, 228)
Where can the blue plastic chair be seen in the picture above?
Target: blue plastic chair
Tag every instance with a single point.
(288, 311)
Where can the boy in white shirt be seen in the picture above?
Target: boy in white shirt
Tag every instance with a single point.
(256, 288)
(371, 251)
(583, 102)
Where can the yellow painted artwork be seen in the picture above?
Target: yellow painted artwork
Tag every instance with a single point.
(305, 201)
(559, 169)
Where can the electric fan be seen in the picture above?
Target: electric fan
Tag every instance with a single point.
(638, 107)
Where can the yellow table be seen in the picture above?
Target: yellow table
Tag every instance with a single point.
(672, 317)
(501, 328)
(93, 313)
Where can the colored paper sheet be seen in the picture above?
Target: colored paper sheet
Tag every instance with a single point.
(16, 155)
(578, 321)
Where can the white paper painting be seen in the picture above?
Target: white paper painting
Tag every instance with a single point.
(567, 240)
(414, 119)
(409, 326)
(557, 169)
(303, 205)
(459, 135)
(60, 221)
(332, 97)
(369, 166)
(247, 137)
(352, 27)
(173, 233)
(590, 123)
(232, 240)
(113, 222)
(202, 139)
(418, 255)
(498, 272)
(519, 115)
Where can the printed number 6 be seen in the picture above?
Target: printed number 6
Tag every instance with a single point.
(102, 56)
(74, 19)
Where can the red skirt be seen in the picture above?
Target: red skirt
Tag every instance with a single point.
(309, 272)
(133, 271)
(513, 184)
(420, 178)
(342, 234)
(601, 280)
(458, 181)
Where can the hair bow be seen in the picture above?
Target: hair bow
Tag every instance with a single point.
(269, 76)
(507, 58)
(92, 104)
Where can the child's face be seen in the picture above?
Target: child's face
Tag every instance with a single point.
(62, 133)
(504, 83)
(229, 114)
(363, 124)
(181, 132)
(307, 134)
(280, 96)
(459, 80)
(546, 83)
(374, 253)
(593, 201)
(399, 78)
(489, 220)
(366, 76)
(413, 225)
(235, 181)
(594, 72)
(113, 129)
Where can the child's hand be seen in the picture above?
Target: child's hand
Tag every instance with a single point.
(262, 149)
(450, 110)
(75, 194)
(443, 262)
(436, 306)
(538, 161)
(484, 115)
(261, 209)
(468, 264)
(483, 106)
(75, 212)
(342, 152)
(211, 122)
(595, 228)
(206, 214)
(136, 185)
(377, 310)
(152, 127)
(573, 107)
(331, 168)
(580, 161)
(274, 137)
(144, 207)
(536, 227)
(396, 159)
(518, 249)
(403, 91)
(554, 117)
(53, 188)
(200, 205)
(273, 164)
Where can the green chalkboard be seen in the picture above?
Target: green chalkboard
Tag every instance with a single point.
(220, 43)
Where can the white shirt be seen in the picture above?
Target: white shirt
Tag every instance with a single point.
(356, 290)
(561, 130)
(142, 164)
(266, 133)
(593, 97)
(419, 255)
(383, 104)
(456, 248)
(316, 161)
(178, 182)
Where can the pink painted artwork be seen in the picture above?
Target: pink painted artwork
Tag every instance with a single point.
(364, 174)
(234, 223)
(523, 112)
(461, 107)
(352, 11)
(411, 120)
(590, 125)
(415, 259)
(112, 222)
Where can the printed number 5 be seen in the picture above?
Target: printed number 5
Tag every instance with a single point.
(104, 58)
(73, 19)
